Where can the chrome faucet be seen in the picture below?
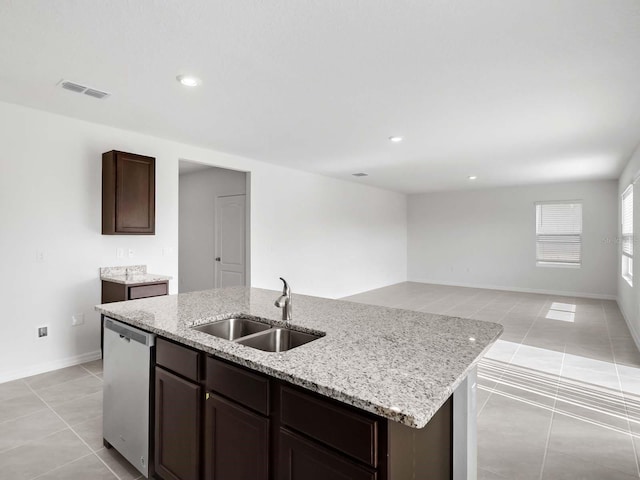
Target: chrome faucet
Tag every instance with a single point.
(284, 301)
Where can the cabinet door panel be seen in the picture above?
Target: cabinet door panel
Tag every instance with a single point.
(135, 193)
(177, 436)
(301, 459)
(236, 442)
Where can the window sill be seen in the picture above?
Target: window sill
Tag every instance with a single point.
(628, 279)
(558, 265)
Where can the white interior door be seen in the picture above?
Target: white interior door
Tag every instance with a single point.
(230, 241)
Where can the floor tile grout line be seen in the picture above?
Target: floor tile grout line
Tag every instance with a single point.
(92, 373)
(615, 363)
(59, 383)
(76, 434)
(553, 415)
(6, 450)
(491, 392)
(62, 466)
(20, 417)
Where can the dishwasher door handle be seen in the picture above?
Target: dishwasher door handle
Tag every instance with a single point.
(125, 338)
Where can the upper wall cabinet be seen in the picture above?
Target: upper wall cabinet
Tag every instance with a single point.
(128, 194)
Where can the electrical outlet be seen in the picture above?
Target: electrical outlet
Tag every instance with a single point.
(120, 252)
(167, 251)
(39, 256)
(43, 331)
(131, 253)
(77, 319)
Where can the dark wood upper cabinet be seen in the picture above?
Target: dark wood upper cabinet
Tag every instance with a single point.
(128, 194)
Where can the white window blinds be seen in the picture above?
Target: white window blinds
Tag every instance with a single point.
(559, 233)
(627, 222)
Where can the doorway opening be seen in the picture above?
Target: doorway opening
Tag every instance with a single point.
(213, 227)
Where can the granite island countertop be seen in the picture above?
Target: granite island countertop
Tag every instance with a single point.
(399, 364)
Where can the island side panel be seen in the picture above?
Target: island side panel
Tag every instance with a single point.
(465, 429)
(422, 452)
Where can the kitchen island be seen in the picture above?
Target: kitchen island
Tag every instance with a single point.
(399, 370)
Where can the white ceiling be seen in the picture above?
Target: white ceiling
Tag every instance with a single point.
(514, 91)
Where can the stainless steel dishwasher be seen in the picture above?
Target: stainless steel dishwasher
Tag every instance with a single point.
(127, 391)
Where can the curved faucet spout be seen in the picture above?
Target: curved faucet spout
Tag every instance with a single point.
(284, 301)
(285, 288)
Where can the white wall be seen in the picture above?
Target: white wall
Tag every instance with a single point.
(197, 197)
(327, 237)
(486, 238)
(629, 296)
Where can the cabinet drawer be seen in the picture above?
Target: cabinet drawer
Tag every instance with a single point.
(245, 387)
(144, 291)
(179, 359)
(301, 459)
(337, 426)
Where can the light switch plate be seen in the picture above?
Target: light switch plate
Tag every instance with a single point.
(120, 252)
(77, 319)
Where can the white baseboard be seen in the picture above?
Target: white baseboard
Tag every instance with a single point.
(597, 296)
(49, 366)
(632, 329)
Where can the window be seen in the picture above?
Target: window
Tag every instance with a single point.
(559, 234)
(627, 235)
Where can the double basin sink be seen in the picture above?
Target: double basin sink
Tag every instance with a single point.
(257, 334)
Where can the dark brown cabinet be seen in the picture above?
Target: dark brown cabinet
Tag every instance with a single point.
(255, 427)
(128, 194)
(301, 459)
(236, 442)
(178, 424)
(119, 292)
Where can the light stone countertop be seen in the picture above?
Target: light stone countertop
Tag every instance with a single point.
(135, 278)
(131, 275)
(399, 364)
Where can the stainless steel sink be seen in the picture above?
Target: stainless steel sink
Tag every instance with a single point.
(233, 328)
(278, 340)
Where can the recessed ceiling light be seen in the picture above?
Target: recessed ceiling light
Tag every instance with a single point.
(395, 139)
(473, 177)
(189, 80)
(361, 174)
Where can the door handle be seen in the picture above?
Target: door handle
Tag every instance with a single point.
(217, 259)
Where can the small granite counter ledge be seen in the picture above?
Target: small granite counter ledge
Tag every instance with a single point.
(399, 364)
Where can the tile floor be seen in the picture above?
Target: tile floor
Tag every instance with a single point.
(558, 395)
(51, 428)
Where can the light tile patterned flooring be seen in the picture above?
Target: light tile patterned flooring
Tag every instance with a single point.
(51, 428)
(558, 397)
(559, 393)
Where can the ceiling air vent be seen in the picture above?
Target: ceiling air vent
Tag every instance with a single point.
(77, 88)
(74, 87)
(361, 174)
(95, 93)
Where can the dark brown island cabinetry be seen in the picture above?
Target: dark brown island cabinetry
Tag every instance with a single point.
(249, 426)
(128, 194)
(178, 412)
